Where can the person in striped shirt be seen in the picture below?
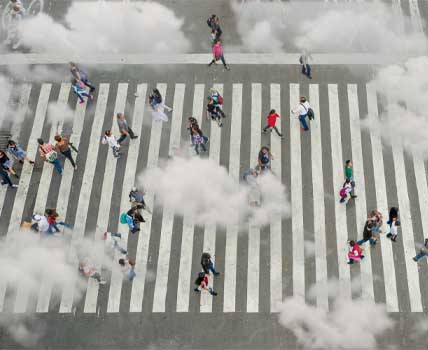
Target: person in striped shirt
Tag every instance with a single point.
(48, 154)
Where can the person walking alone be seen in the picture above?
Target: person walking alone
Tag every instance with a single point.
(109, 139)
(217, 50)
(271, 121)
(124, 128)
(63, 145)
(355, 253)
(48, 154)
(17, 152)
(198, 139)
(303, 109)
(304, 61)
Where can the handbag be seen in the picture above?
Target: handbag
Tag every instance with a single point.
(51, 156)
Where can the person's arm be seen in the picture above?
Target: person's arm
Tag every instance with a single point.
(42, 153)
(271, 155)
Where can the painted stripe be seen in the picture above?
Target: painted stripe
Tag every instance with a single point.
(229, 299)
(297, 199)
(66, 305)
(360, 203)
(276, 225)
(318, 196)
(161, 284)
(415, 15)
(338, 179)
(105, 200)
(382, 204)
(27, 169)
(253, 273)
(63, 198)
(407, 228)
(24, 97)
(6, 97)
(138, 284)
(185, 269)
(23, 291)
(358, 58)
(128, 182)
(210, 229)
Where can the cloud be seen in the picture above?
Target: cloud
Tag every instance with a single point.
(403, 90)
(373, 27)
(203, 189)
(110, 27)
(59, 112)
(345, 326)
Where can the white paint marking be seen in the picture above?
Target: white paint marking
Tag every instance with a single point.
(415, 15)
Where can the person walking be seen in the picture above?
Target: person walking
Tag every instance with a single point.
(214, 23)
(52, 216)
(198, 139)
(109, 139)
(13, 31)
(376, 219)
(6, 179)
(81, 76)
(349, 174)
(202, 284)
(48, 154)
(79, 90)
(17, 152)
(136, 197)
(133, 219)
(217, 50)
(124, 128)
(304, 61)
(88, 268)
(271, 121)
(6, 164)
(355, 253)
(111, 242)
(156, 101)
(207, 264)
(265, 159)
(304, 110)
(393, 229)
(63, 145)
(346, 191)
(40, 223)
(128, 266)
(422, 252)
(393, 214)
(368, 234)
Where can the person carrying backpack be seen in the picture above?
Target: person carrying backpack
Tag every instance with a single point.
(304, 110)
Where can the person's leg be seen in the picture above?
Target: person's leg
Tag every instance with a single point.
(121, 138)
(303, 122)
(303, 69)
(131, 132)
(67, 154)
(196, 148)
(131, 274)
(308, 70)
(6, 178)
(57, 166)
(265, 128)
(361, 241)
(118, 235)
(277, 131)
(211, 63)
(55, 227)
(211, 267)
(96, 276)
(203, 147)
(64, 224)
(89, 85)
(80, 97)
(224, 62)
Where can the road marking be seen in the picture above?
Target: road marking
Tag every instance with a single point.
(253, 272)
(360, 203)
(210, 228)
(382, 204)
(161, 284)
(357, 58)
(105, 204)
(407, 228)
(138, 284)
(232, 231)
(296, 198)
(66, 305)
(27, 169)
(338, 179)
(275, 225)
(128, 182)
(318, 196)
(63, 198)
(415, 15)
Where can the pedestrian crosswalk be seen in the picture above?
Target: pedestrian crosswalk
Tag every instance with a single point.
(259, 265)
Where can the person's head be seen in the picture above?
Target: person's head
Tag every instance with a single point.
(122, 262)
(73, 65)
(58, 138)
(351, 243)
(348, 181)
(16, 8)
(11, 143)
(302, 99)
(107, 133)
(134, 189)
(120, 115)
(156, 91)
(265, 149)
(348, 163)
(272, 111)
(40, 142)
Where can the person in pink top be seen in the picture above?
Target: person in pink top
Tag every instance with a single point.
(217, 49)
(355, 253)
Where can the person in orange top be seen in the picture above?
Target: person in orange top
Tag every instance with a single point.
(271, 121)
(63, 145)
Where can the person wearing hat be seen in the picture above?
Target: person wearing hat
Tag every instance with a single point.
(124, 128)
(48, 154)
(17, 152)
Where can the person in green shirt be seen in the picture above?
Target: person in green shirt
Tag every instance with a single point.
(349, 174)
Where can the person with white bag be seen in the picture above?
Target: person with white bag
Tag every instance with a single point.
(48, 154)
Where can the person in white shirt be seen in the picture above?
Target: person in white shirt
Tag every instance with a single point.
(346, 191)
(109, 139)
(393, 230)
(304, 61)
(302, 109)
(111, 242)
(42, 223)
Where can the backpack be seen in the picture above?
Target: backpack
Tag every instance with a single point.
(342, 192)
(220, 99)
(311, 114)
(123, 218)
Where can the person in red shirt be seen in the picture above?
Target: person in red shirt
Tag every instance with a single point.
(355, 253)
(271, 121)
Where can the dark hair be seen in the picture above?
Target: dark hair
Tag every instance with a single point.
(11, 142)
(272, 111)
(347, 181)
(58, 138)
(121, 261)
(119, 114)
(303, 98)
(347, 162)
(40, 141)
(352, 243)
(264, 147)
(107, 132)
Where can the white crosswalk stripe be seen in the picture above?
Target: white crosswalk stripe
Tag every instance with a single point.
(330, 103)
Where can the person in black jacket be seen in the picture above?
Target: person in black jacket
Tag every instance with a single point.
(208, 265)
